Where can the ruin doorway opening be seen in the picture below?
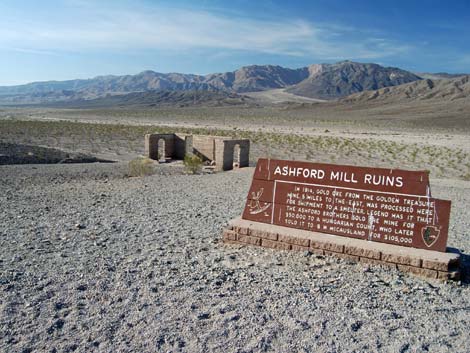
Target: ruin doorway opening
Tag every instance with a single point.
(161, 151)
(236, 156)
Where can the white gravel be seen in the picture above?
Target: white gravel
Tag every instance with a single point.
(93, 261)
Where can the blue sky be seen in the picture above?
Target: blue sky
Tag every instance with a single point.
(57, 40)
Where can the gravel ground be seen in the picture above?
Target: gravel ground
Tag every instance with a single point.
(93, 261)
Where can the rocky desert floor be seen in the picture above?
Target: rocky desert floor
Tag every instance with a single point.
(93, 260)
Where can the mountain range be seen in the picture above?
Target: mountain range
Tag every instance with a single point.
(320, 81)
(324, 81)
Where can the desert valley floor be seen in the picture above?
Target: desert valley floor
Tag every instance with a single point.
(94, 260)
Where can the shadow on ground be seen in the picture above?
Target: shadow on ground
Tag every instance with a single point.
(27, 154)
(465, 268)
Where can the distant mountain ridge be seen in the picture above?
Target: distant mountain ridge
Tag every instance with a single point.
(102, 85)
(246, 79)
(323, 81)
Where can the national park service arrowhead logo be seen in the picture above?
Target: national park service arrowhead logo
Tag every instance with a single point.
(430, 235)
(255, 205)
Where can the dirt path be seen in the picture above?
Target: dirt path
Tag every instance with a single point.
(276, 96)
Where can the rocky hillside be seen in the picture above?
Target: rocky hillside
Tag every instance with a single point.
(323, 81)
(443, 89)
(330, 81)
(162, 98)
(257, 78)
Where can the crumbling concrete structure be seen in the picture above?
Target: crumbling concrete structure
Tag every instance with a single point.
(223, 152)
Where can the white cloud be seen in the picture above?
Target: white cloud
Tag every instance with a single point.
(30, 51)
(139, 28)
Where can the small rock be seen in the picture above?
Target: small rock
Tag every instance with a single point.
(356, 326)
(82, 287)
(203, 316)
(56, 326)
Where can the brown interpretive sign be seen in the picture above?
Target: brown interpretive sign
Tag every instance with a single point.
(375, 204)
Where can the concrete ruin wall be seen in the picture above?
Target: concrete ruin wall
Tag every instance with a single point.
(179, 148)
(151, 145)
(203, 146)
(222, 151)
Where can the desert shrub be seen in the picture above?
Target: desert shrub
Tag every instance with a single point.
(140, 166)
(192, 163)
